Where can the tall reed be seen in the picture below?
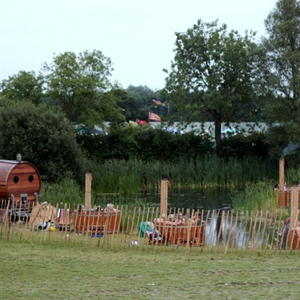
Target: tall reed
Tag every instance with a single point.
(259, 196)
(126, 177)
(66, 191)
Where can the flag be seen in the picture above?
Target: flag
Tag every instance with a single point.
(153, 117)
(157, 102)
(141, 122)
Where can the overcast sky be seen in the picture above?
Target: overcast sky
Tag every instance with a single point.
(137, 35)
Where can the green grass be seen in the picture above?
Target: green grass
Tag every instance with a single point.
(255, 196)
(125, 177)
(70, 271)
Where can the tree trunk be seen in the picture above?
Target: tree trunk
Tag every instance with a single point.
(218, 136)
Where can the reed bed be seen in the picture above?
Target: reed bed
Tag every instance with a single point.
(225, 231)
(258, 196)
(125, 177)
(66, 191)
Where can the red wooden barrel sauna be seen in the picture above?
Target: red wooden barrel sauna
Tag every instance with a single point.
(20, 181)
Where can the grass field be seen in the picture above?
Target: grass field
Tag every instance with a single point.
(38, 270)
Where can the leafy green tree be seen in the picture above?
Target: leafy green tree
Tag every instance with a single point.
(23, 86)
(132, 108)
(281, 70)
(76, 84)
(146, 96)
(212, 75)
(43, 137)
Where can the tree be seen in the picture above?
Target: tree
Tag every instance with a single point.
(146, 96)
(43, 137)
(282, 67)
(23, 86)
(212, 75)
(132, 107)
(127, 106)
(76, 84)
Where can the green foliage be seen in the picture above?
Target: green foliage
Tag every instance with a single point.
(259, 196)
(23, 86)
(281, 68)
(145, 143)
(149, 144)
(132, 107)
(132, 176)
(75, 82)
(146, 96)
(241, 146)
(65, 191)
(212, 76)
(43, 138)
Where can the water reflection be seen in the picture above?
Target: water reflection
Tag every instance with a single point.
(206, 199)
(224, 228)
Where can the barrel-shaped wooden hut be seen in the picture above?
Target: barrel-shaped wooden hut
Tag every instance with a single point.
(20, 181)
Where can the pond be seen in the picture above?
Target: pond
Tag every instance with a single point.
(224, 226)
(197, 199)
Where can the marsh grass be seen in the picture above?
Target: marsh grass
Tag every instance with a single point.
(258, 196)
(69, 271)
(66, 191)
(124, 177)
(127, 178)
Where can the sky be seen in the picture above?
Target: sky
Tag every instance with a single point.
(137, 35)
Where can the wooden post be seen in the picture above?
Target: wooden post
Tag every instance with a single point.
(281, 175)
(282, 193)
(88, 183)
(7, 222)
(164, 197)
(294, 207)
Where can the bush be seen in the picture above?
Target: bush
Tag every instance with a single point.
(144, 143)
(43, 138)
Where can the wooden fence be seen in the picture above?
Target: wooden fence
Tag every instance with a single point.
(213, 231)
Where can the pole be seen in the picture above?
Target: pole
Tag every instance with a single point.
(282, 195)
(88, 184)
(164, 197)
(281, 174)
(294, 207)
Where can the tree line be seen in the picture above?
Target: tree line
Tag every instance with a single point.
(216, 75)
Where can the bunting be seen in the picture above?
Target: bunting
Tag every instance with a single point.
(153, 117)
(157, 102)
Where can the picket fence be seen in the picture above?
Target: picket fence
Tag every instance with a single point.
(221, 230)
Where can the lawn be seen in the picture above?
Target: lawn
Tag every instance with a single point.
(55, 270)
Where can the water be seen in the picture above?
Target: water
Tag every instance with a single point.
(227, 230)
(232, 231)
(206, 199)
(197, 199)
